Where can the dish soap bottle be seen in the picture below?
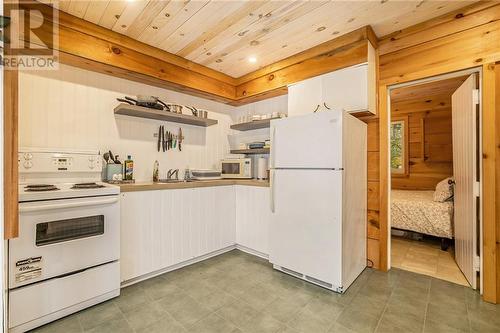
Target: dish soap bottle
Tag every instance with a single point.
(129, 168)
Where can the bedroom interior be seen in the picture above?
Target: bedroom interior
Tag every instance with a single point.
(422, 204)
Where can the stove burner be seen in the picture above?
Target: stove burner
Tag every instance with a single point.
(40, 188)
(86, 185)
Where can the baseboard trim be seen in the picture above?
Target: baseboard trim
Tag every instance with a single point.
(177, 266)
(252, 251)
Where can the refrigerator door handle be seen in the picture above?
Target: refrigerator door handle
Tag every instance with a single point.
(271, 186)
(273, 151)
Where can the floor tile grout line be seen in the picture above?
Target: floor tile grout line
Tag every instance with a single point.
(427, 304)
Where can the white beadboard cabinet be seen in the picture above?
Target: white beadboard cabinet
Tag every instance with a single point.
(163, 228)
(253, 215)
(352, 89)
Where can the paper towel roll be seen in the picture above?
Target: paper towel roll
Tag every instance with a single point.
(262, 168)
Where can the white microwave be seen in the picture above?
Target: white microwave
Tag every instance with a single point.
(236, 168)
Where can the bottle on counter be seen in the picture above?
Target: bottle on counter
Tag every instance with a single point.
(128, 168)
(156, 171)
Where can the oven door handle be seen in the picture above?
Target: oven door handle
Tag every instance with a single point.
(51, 206)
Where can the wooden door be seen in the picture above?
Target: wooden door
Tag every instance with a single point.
(465, 121)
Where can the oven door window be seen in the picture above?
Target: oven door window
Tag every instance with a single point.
(230, 168)
(70, 229)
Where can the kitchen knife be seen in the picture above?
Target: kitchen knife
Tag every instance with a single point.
(164, 139)
(160, 132)
(180, 139)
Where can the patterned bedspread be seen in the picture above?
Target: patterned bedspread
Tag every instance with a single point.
(417, 211)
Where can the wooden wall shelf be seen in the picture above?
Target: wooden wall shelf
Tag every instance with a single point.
(251, 151)
(252, 125)
(142, 112)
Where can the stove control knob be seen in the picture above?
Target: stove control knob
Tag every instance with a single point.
(27, 164)
(28, 156)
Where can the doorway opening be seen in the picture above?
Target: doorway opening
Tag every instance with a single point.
(435, 173)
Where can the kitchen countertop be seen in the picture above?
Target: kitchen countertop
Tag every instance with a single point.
(150, 186)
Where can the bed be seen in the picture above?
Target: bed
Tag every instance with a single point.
(417, 211)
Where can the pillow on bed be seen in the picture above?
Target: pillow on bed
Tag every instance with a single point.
(444, 190)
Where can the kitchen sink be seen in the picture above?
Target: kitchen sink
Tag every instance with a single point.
(168, 181)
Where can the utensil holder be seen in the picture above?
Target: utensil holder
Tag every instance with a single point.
(113, 169)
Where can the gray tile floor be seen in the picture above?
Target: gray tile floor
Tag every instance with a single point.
(237, 292)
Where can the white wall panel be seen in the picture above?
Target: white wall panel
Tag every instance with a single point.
(73, 108)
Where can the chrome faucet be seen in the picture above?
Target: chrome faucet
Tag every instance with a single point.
(173, 172)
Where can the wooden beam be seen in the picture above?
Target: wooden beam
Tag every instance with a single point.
(10, 143)
(341, 57)
(347, 39)
(87, 46)
(72, 22)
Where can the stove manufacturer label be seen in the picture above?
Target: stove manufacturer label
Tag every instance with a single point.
(28, 269)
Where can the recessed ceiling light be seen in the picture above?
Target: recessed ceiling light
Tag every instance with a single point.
(252, 60)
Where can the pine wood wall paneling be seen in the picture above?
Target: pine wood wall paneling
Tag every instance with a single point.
(10, 144)
(475, 46)
(496, 137)
(448, 24)
(466, 49)
(428, 108)
(491, 107)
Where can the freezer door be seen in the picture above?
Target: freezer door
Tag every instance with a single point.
(306, 224)
(310, 141)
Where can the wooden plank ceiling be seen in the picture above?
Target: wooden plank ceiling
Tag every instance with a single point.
(223, 35)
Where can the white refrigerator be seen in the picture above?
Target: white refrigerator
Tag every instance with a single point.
(319, 197)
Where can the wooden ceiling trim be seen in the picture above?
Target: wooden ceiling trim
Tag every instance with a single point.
(86, 45)
(98, 50)
(341, 57)
(349, 38)
(459, 20)
(99, 32)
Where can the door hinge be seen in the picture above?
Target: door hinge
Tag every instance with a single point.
(475, 96)
(477, 263)
(477, 189)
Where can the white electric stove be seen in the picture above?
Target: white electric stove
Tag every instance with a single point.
(66, 257)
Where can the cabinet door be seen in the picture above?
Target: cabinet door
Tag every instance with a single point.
(346, 89)
(253, 214)
(136, 244)
(305, 96)
(214, 227)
